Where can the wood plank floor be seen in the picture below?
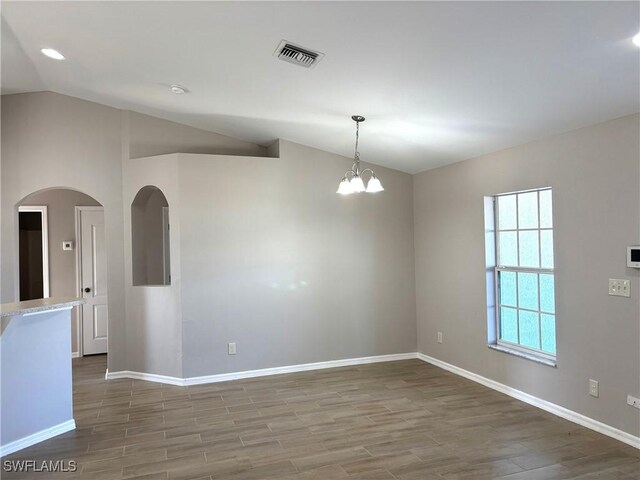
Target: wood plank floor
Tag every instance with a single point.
(397, 420)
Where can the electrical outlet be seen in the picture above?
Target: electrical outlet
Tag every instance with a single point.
(232, 348)
(594, 389)
(633, 401)
(439, 337)
(619, 288)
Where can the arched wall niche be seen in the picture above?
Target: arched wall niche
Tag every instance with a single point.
(150, 245)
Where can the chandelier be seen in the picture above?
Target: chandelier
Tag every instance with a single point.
(352, 181)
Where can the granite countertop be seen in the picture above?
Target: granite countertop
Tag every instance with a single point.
(39, 305)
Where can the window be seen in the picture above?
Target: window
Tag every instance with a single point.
(524, 272)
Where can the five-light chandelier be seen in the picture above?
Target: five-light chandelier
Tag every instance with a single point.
(352, 182)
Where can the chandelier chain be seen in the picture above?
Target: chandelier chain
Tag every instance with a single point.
(352, 181)
(356, 154)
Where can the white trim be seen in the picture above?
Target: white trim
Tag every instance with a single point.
(149, 377)
(37, 437)
(299, 368)
(42, 209)
(512, 392)
(75, 354)
(523, 353)
(78, 283)
(562, 412)
(224, 377)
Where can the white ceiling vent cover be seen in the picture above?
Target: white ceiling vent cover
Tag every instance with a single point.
(292, 53)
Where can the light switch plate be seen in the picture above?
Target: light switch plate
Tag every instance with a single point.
(619, 288)
(232, 348)
(633, 401)
(594, 388)
(439, 337)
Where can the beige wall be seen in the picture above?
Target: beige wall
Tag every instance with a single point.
(290, 271)
(155, 136)
(155, 239)
(52, 140)
(147, 236)
(154, 312)
(595, 175)
(274, 261)
(62, 226)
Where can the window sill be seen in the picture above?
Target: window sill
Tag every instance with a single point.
(521, 354)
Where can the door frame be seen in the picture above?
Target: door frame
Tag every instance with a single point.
(79, 327)
(42, 209)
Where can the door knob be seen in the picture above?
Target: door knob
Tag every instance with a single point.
(87, 290)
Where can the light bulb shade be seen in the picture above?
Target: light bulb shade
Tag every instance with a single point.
(345, 187)
(357, 184)
(374, 185)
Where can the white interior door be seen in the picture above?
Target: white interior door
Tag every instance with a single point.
(93, 275)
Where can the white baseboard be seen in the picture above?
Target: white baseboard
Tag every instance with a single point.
(538, 402)
(75, 354)
(512, 392)
(37, 437)
(149, 377)
(225, 377)
(298, 368)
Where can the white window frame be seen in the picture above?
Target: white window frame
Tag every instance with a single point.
(527, 351)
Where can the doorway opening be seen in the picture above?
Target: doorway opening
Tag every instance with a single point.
(62, 253)
(33, 252)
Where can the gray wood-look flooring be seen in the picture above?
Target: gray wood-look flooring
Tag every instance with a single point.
(397, 420)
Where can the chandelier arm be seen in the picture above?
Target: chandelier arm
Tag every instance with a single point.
(368, 170)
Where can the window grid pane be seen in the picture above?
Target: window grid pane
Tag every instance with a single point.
(528, 249)
(528, 323)
(507, 212)
(548, 333)
(525, 293)
(528, 210)
(508, 289)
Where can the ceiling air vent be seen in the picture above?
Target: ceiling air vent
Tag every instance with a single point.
(297, 55)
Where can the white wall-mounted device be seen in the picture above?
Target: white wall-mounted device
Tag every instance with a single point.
(633, 256)
(67, 245)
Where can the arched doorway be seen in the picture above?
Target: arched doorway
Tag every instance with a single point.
(62, 253)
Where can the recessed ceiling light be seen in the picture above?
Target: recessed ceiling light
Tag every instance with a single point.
(636, 39)
(178, 89)
(52, 53)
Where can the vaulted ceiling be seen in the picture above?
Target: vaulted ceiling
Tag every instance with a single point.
(439, 82)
